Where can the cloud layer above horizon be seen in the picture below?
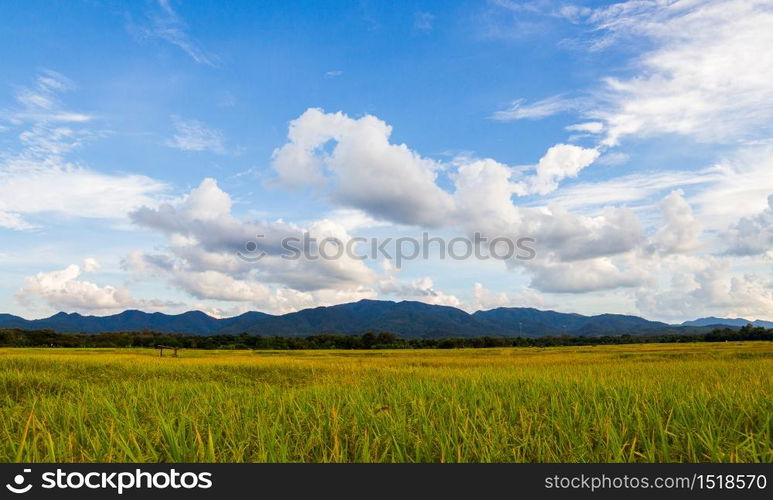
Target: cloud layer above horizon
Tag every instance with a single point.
(646, 186)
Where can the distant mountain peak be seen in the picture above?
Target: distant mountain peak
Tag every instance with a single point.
(63, 314)
(713, 320)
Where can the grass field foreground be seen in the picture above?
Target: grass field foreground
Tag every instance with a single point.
(633, 403)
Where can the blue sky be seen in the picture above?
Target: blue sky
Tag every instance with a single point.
(141, 143)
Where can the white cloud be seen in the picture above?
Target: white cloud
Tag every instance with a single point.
(421, 289)
(364, 169)
(11, 220)
(288, 300)
(70, 191)
(207, 202)
(37, 178)
(564, 236)
(483, 196)
(91, 265)
(246, 291)
(352, 219)
(485, 299)
(205, 243)
(613, 158)
(164, 23)
(519, 110)
(706, 77)
(752, 235)
(707, 287)
(637, 188)
(484, 203)
(588, 127)
(193, 135)
(680, 232)
(560, 161)
(62, 290)
(742, 184)
(40, 102)
(220, 286)
(586, 276)
(203, 235)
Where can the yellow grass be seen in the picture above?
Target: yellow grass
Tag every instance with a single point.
(642, 403)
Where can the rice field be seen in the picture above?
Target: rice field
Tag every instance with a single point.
(633, 403)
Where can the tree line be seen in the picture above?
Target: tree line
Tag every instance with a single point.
(369, 340)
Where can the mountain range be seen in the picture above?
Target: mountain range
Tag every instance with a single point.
(407, 319)
(711, 320)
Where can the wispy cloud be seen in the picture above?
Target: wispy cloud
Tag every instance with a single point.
(40, 101)
(423, 21)
(193, 135)
(164, 23)
(587, 127)
(696, 76)
(510, 20)
(634, 189)
(520, 110)
(704, 74)
(11, 220)
(36, 174)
